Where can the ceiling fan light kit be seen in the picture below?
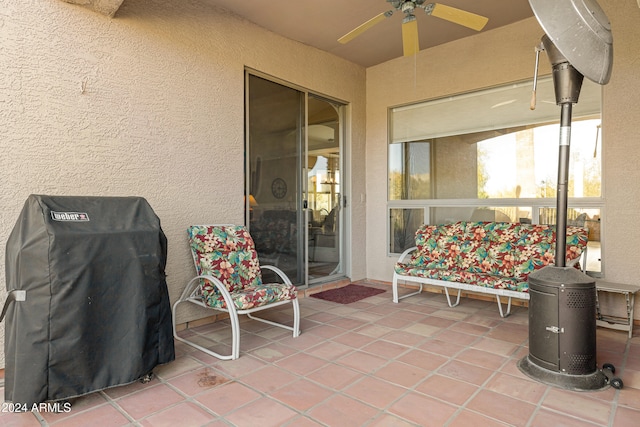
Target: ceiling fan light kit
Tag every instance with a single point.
(410, 25)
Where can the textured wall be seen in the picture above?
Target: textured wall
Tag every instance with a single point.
(106, 7)
(149, 103)
(506, 55)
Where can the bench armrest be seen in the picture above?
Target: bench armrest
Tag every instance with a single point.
(582, 259)
(407, 253)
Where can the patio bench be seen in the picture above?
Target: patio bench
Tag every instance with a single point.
(484, 257)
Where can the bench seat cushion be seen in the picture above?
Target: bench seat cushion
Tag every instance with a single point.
(473, 249)
(460, 276)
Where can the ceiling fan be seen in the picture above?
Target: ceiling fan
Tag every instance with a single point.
(410, 43)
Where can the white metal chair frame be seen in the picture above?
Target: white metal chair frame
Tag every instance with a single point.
(192, 294)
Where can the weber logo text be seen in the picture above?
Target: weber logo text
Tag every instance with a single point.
(69, 216)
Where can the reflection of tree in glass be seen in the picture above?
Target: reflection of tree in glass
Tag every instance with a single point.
(409, 187)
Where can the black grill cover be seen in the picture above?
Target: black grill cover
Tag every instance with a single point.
(97, 310)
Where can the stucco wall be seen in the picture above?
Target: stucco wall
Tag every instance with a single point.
(501, 56)
(149, 103)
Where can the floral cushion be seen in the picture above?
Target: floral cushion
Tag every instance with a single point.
(228, 254)
(251, 297)
(461, 276)
(492, 254)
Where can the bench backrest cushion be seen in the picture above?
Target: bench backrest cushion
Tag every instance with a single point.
(497, 248)
(226, 252)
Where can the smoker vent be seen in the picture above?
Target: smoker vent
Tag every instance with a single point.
(581, 299)
(580, 363)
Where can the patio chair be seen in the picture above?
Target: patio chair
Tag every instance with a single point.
(229, 279)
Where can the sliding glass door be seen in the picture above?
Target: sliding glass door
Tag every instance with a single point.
(293, 193)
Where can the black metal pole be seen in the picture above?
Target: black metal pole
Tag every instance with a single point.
(563, 183)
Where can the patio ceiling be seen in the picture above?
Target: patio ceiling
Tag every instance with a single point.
(321, 23)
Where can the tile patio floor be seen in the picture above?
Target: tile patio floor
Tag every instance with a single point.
(370, 363)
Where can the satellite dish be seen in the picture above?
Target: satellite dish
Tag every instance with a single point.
(581, 32)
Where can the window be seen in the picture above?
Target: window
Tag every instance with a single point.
(410, 170)
(485, 156)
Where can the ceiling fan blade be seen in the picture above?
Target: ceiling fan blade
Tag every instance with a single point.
(457, 16)
(410, 43)
(364, 27)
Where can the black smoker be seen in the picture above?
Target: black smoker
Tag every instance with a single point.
(562, 323)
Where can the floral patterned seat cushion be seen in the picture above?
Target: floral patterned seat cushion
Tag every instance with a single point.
(462, 276)
(490, 254)
(228, 254)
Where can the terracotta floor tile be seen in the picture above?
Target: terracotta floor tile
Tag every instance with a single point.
(412, 313)
(222, 400)
(353, 339)
(18, 419)
(546, 418)
(401, 374)
(374, 331)
(363, 362)
(272, 352)
(626, 417)
(326, 331)
(479, 320)
(104, 415)
(375, 392)
(513, 333)
(482, 358)
(301, 394)
(633, 363)
(465, 372)
(373, 363)
(343, 411)
(241, 366)
(441, 346)
(437, 322)
(577, 404)
(405, 338)
(447, 389)
(500, 407)
(195, 382)
(453, 315)
(348, 323)
(630, 378)
(301, 421)
(457, 337)
(329, 350)
(423, 410)
(386, 349)
(469, 419)
(268, 379)
(186, 414)
(491, 345)
(304, 341)
(335, 377)
(423, 359)
(518, 388)
(470, 328)
(145, 402)
(116, 392)
(301, 363)
(177, 367)
(389, 420)
(78, 405)
(394, 322)
(630, 397)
